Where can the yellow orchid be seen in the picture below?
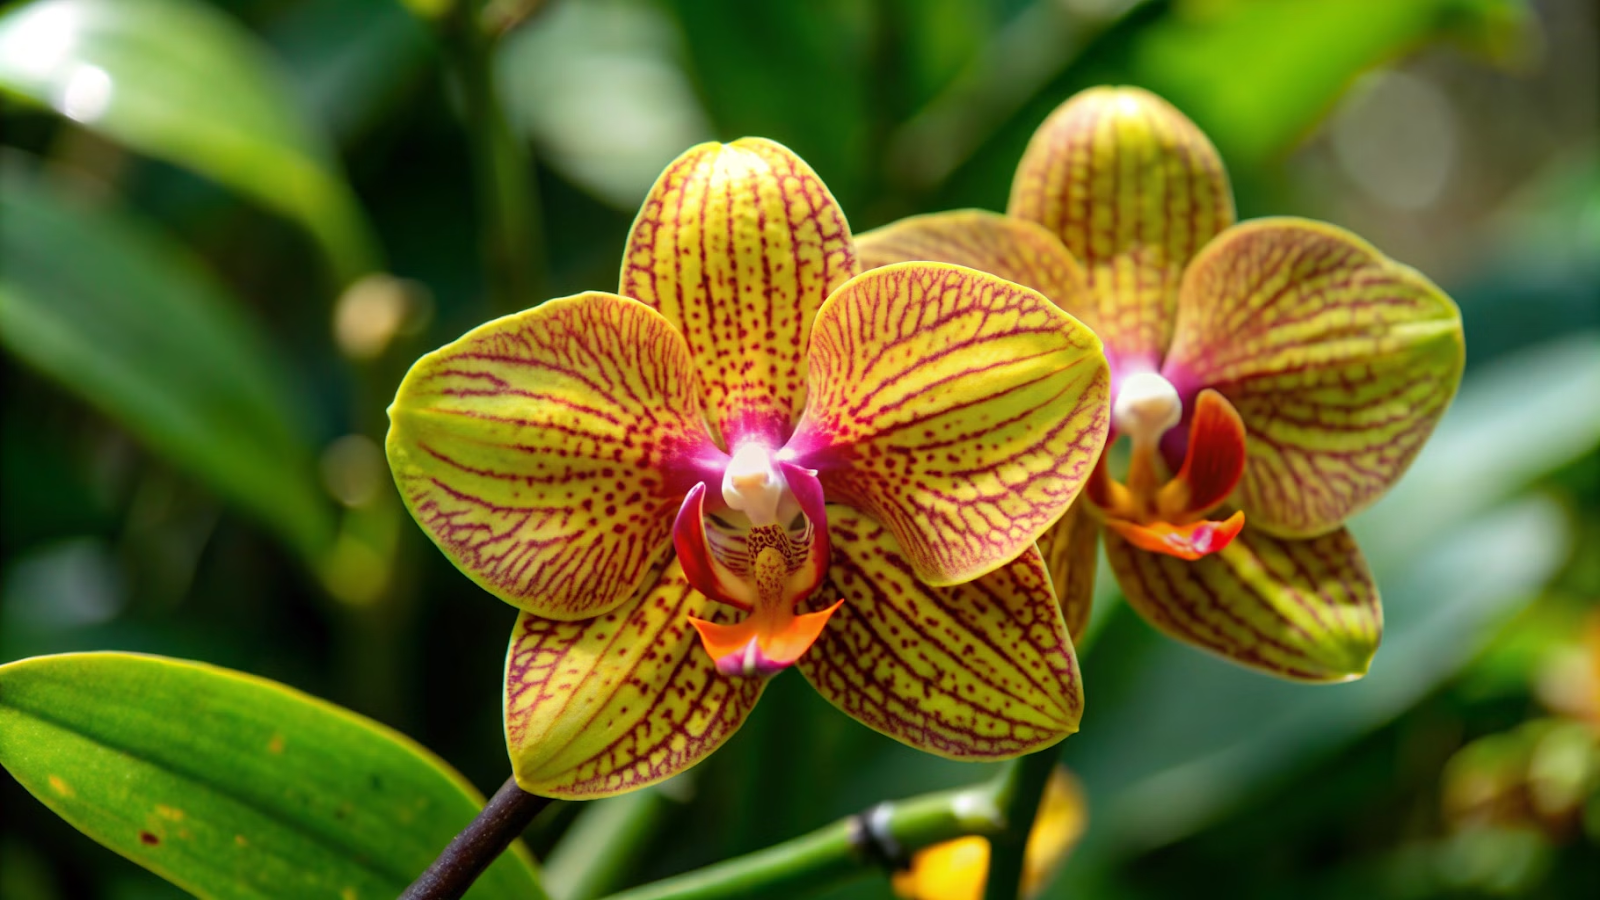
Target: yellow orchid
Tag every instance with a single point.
(959, 869)
(644, 472)
(1285, 371)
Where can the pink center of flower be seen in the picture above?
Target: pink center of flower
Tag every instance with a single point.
(1168, 515)
(763, 550)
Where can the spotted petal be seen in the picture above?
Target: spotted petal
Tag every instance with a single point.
(959, 409)
(611, 704)
(1338, 359)
(1134, 190)
(1070, 548)
(1305, 610)
(983, 670)
(989, 242)
(546, 452)
(738, 244)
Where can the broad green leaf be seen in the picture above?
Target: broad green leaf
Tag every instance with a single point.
(180, 81)
(230, 785)
(1259, 74)
(131, 323)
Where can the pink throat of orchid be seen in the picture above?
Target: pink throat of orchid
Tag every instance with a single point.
(763, 550)
(1169, 515)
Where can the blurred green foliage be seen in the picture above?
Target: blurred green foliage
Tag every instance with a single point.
(193, 195)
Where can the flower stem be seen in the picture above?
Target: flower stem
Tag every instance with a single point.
(504, 817)
(1017, 793)
(508, 208)
(836, 853)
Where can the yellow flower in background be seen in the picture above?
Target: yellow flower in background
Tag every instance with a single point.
(1274, 377)
(753, 457)
(959, 869)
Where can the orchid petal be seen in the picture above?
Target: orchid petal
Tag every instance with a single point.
(961, 410)
(1338, 359)
(1212, 463)
(989, 242)
(1134, 190)
(1070, 550)
(1305, 610)
(624, 700)
(984, 670)
(738, 245)
(545, 452)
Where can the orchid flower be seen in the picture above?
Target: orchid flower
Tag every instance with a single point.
(1273, 378)
(753, 457)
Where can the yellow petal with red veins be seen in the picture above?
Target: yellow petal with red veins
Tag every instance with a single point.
(738, 245)
(547, 451)
(612, 704)
(984, 670)
(960, 409)
(989, 242)
(1070, 549)
(1134, 190)
(1305, 610)
(1338, 359)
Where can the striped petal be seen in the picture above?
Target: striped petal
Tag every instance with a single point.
(738, 244)
(989, 242)
(961, 410)
(1134, 190)
(984, 670)
(1069, 550)
(626, 699)
(1303, 610)
(546, 452)
(1338, 359)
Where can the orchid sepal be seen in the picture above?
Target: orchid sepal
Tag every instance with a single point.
(1303, 610)
(544, 452)
(983, 670)
(622, 700)
(738, 245)
(1338, 359)
(961, 410)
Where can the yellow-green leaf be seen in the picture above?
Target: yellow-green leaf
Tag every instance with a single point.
(181, 81)
(232, 786)
(132, 323)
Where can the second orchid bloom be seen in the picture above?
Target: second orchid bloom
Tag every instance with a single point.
(1274, 377)
(751, 457)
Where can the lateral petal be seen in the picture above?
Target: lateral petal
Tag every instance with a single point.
(989, 242)
(1338, 359)
(738, 245)
(1305, 610)
(980, 671)
(1134, 190)
(1069, 548)
(961, 410)
(546, 452)
(620, 701)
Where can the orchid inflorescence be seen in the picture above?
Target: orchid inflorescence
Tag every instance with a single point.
(778, 446)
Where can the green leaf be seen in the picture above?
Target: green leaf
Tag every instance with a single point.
(1257, 75)
(180, 81)
(230, 785)
(134, 325)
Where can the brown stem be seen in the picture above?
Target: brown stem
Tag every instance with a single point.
(505, 816)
